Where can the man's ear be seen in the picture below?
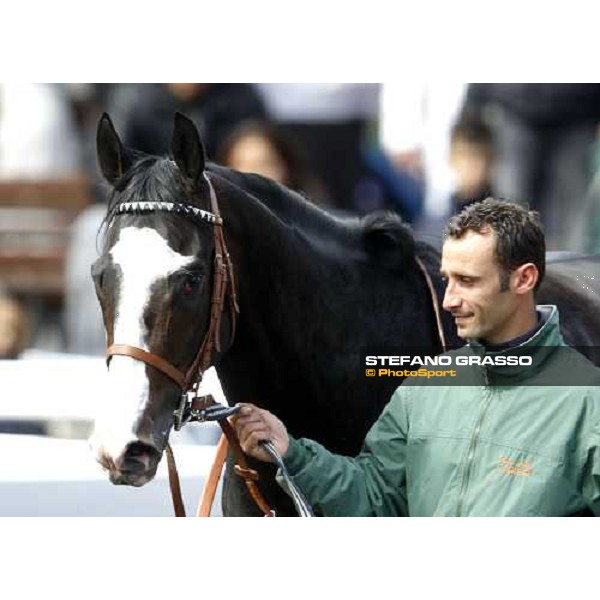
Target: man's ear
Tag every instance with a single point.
(187, 148)
(112, 156)
(525, 278)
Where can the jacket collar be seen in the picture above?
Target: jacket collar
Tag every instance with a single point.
(539, 345)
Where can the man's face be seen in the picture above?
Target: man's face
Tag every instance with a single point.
(473, 295)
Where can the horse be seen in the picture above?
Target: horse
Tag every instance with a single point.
(313, 290)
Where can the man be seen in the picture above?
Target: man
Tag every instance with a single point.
(504, 440)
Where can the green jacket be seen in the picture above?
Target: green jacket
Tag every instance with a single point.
(508, 443)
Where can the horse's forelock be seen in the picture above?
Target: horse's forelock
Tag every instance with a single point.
(150, 179)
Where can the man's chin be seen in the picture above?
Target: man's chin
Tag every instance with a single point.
(467, 332)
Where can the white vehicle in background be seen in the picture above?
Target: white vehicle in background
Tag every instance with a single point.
(47, 407)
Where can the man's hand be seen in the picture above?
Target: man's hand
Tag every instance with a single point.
(253, 425)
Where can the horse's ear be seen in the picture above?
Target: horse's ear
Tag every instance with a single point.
(112, 156)
(187, 148)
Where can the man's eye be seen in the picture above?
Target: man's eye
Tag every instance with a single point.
(191, 283)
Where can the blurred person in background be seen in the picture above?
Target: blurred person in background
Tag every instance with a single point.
(144, 112)
(38, 137)
(263, 148)
(414, 129)
(543, 139)
(14, 327)
(330, 122)
(471, 161)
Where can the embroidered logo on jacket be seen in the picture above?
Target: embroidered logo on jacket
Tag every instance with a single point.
(515, 467)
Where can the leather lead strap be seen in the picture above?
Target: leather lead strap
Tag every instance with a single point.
(174, 483)
(209, 489)
(243, 470)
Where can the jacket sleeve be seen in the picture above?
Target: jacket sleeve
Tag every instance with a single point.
(373, 483)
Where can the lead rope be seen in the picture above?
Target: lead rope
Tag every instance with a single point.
(302, 506)
(174, 483)
(211, 483)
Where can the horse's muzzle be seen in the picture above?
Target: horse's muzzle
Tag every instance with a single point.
(136, 465)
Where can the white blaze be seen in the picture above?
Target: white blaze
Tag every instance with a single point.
(143, 257)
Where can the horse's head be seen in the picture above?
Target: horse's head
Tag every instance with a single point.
(154, 283)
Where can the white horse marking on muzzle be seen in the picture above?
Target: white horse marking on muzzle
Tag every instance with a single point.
(143, 257)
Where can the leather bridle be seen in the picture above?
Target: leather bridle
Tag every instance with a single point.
(223, 285)
(191, 406)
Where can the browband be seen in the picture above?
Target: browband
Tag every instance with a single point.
(186, 210)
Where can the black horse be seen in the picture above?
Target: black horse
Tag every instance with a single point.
(313, 291)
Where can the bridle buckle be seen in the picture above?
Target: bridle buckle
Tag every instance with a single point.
(200, 409)
(183, 412)
(186, 411)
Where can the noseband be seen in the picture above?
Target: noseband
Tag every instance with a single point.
(223, 285)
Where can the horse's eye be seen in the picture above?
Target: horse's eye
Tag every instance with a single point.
(191, 283)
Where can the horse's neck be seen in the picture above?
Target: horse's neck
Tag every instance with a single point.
(285, 293)
(282, 271)
(308, 303)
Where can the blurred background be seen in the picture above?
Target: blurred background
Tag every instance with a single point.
(422, 150)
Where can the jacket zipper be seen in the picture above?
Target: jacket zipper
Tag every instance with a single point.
(473, 445)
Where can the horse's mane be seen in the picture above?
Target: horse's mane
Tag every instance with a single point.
(382, 235)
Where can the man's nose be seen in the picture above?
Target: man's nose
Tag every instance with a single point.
(451, 299)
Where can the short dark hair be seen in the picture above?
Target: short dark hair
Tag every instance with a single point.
(519, 234)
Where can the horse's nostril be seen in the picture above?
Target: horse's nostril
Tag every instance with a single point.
(138, 457)
(137, 449)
